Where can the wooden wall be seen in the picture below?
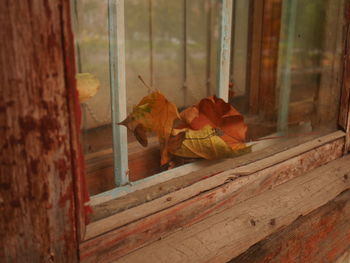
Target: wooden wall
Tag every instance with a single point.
(321, 236)
(39, 168)
(37, 162)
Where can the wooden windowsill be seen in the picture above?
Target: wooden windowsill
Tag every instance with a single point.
(230, 175)
(226, 234)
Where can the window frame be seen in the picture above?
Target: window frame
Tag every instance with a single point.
(116, 28)
(225, 174)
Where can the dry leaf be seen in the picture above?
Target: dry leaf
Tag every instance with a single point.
(154, 113)
(87, 85)
(217, 113)
(206, 143)
(140, 134)
(212, 129)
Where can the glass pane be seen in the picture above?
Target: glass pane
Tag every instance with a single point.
(297, 90)
(285, 66)
(170, 44)
(90, 19)
(310, 50)
(173, 46)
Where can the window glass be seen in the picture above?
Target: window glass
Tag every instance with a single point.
(283, 78)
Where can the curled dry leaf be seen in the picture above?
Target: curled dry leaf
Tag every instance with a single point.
(153, 113)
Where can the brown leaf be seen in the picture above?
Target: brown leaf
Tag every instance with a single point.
(217, 113)
(155, 113)
(176, 141)
(140, 134)
(214, 130)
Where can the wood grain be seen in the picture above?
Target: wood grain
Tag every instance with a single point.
(321, 236)
(205, 204)
(330, 80)
(263, 158)
(37, 205)
(247, 181)
(345, 96)
(81, 195)
(269, 58)
(225, 235)
(344, 119)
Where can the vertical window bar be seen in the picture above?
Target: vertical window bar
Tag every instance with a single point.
(223, 75)
(184, 77)
(285, 61)
(232, 55)
(209, 39)
(150, 10)
(118, 89)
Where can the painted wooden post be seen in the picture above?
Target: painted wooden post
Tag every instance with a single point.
(184, 72)
(118, 89)
(224, 50)
(38, 164)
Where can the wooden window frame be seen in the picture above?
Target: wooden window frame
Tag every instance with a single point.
(213, 189)
(42, 180)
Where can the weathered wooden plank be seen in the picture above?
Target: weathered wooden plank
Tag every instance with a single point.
(344, 116)
(345, 258)
(269, 58)
(227, 234)
(345, 96)
(243, 187)
(236, 190)
(330, 82)
(37, 216)
(254, 51)
(321, 236)
(77, 158)
(188, 180)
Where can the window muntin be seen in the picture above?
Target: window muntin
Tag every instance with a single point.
(302, 95)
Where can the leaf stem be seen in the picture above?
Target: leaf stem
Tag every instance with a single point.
(149, 89)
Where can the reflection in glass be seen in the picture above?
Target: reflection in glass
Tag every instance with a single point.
(284, 75)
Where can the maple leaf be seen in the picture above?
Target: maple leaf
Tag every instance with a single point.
(153, 113)
(216, 113)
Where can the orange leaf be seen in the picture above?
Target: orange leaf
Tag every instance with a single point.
(155, 113)
(217, 113)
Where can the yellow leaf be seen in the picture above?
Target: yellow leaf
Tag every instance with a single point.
(87, 85)
(156, 113)
(205, 143)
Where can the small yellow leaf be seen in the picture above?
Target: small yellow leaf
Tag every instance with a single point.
(87, 85)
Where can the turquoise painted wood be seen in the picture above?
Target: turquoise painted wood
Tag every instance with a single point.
(118, 89)
(224, 50)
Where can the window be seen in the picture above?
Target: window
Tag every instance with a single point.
(277, 62)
